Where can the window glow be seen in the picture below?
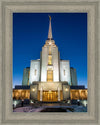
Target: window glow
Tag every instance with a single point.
(49, 60)
(49, 50)
(49, 75)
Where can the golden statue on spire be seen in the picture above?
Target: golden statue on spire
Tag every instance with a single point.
(49, 17)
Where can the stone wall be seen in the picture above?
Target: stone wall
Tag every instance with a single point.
(55, 62)
(44, 62)
(66, 91)
(65, 71)
(34, 71)
(34, 91)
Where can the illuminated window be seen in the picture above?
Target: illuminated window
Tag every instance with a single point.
(64, 72)
(35, 72)
(49, 60)
(49, 75)
(49, 50)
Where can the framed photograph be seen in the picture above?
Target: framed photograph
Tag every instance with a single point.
(50, 83)
(49, 62)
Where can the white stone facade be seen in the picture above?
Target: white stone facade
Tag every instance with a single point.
(55, 60)
(50, 74)
(65, 71)
(52, 86)
(34, 71)
(44, 62)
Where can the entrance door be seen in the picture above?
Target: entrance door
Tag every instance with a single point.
(50, 96)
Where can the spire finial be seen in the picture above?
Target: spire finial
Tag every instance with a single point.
(50, 29)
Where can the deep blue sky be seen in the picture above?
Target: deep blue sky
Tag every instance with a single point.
(30, 31)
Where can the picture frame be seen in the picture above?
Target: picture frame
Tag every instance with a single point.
(8, 7)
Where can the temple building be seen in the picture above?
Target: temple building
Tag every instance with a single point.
(50, 78)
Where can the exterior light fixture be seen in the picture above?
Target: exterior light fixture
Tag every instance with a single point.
(49, 90)
(15, 103)
(32, 101)
(66, 89)
(33, 89)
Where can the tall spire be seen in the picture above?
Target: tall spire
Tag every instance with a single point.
(50, 29)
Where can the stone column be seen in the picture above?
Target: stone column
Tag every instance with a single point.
(41, 94)
(58, 94)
